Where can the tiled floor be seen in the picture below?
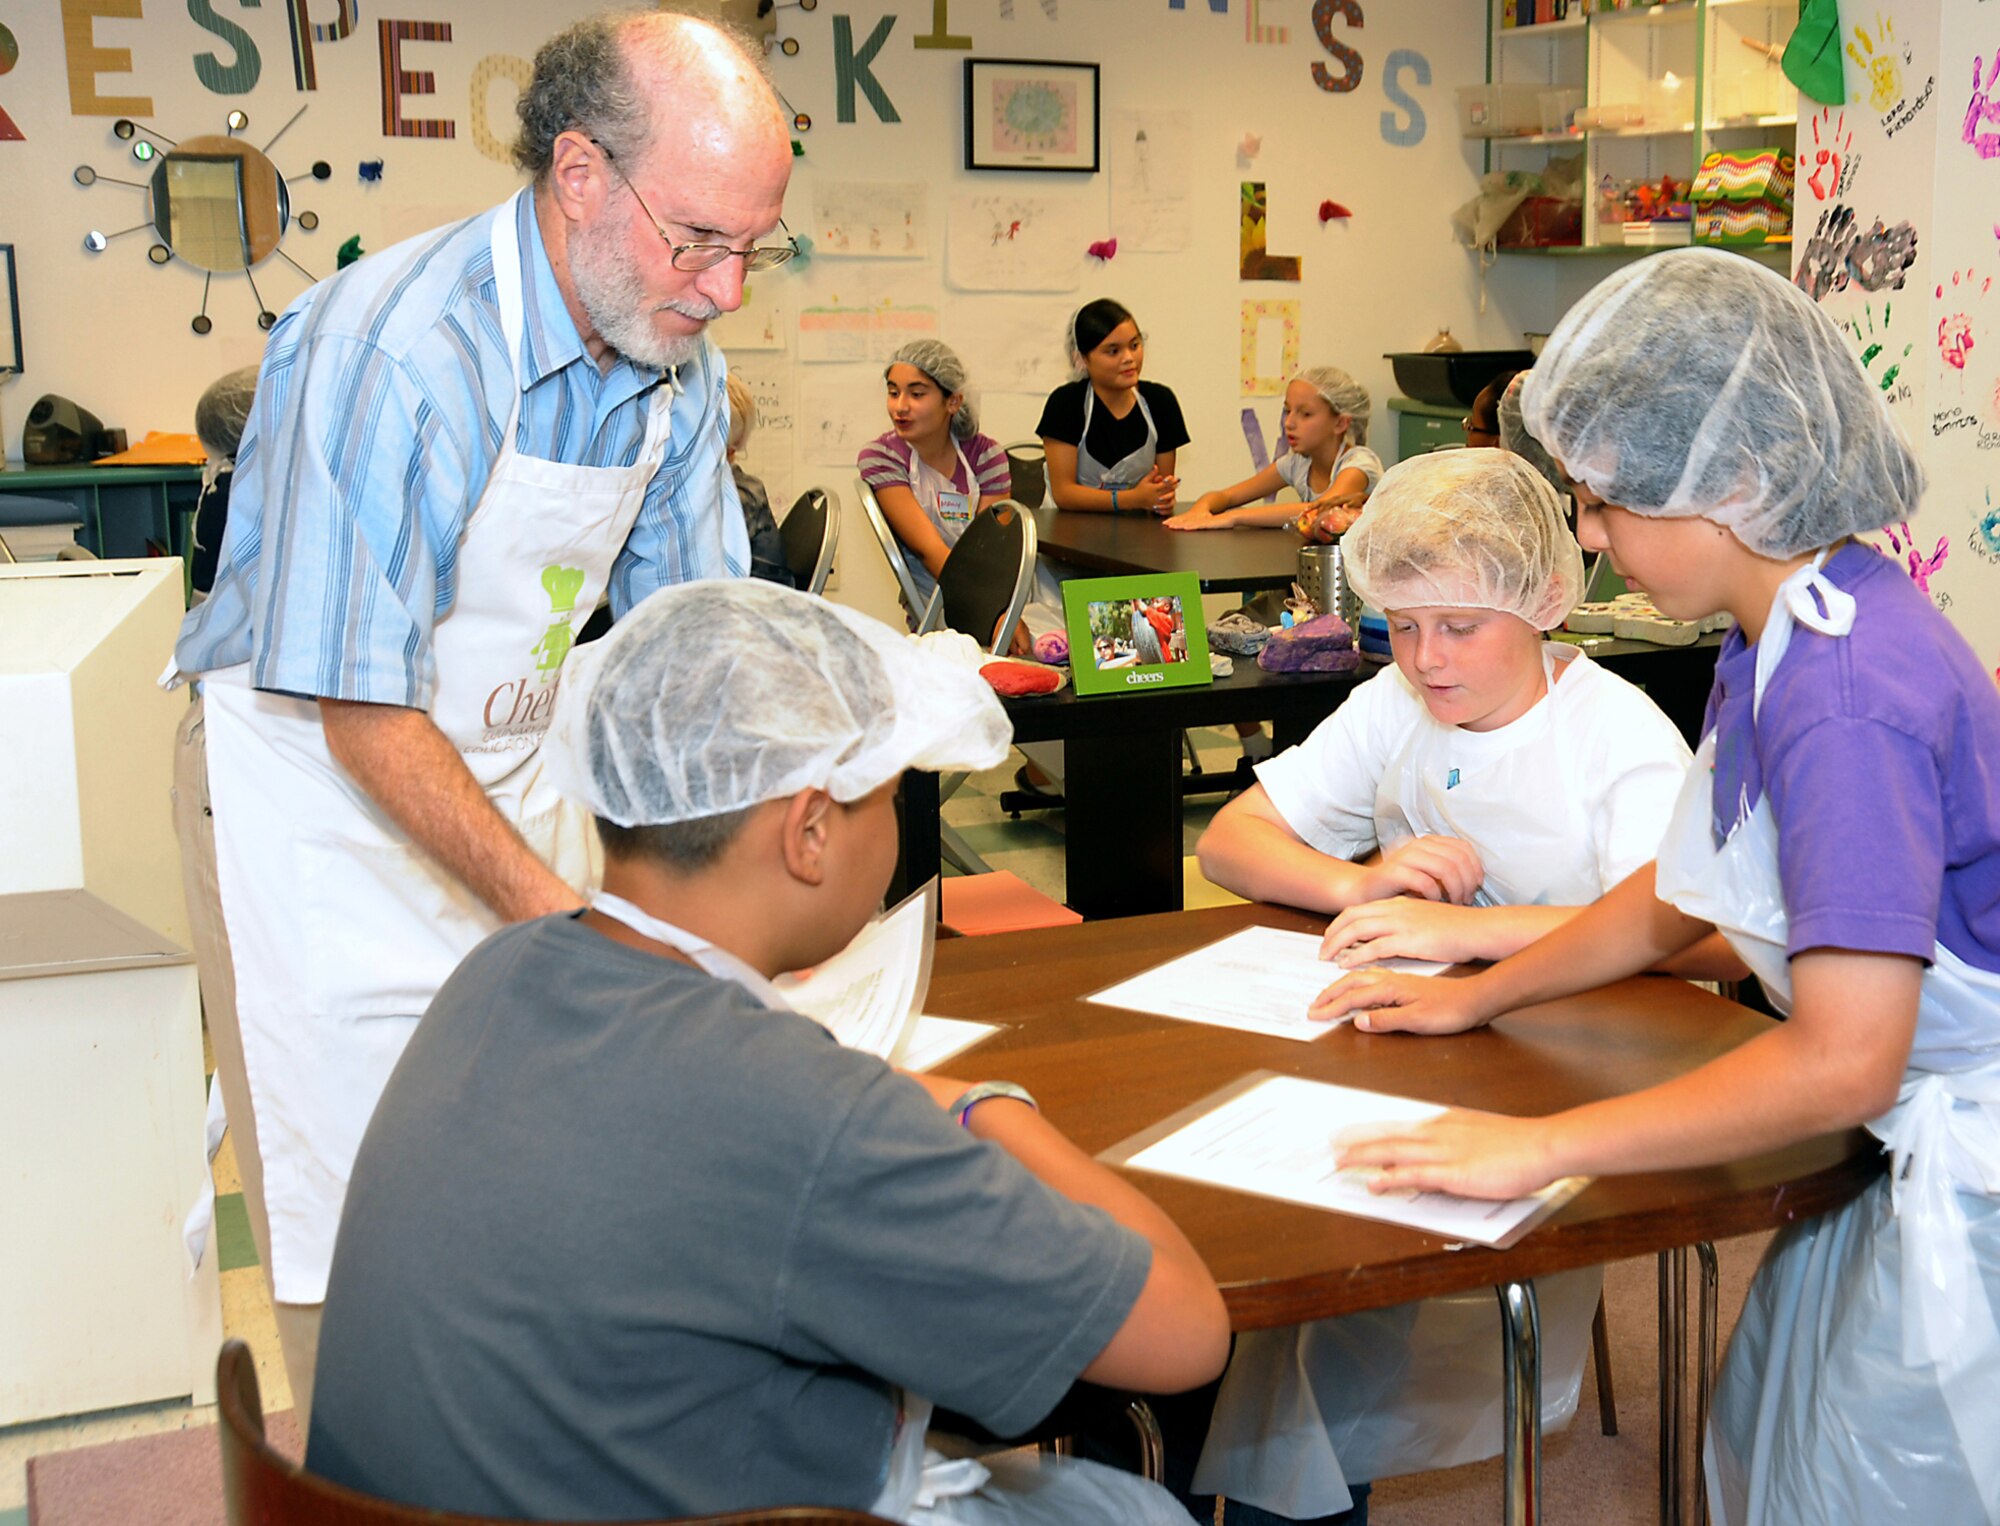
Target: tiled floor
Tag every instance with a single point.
(1031, 847)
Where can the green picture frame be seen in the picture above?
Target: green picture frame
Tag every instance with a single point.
(1110, 654)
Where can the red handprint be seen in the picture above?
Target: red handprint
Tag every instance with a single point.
(1829, 155)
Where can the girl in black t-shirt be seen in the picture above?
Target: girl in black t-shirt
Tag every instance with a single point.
(1111, 437)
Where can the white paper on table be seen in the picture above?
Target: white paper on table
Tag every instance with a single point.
(1277, 1136)
(937, 1039)
(869, 994)
(1261, 979)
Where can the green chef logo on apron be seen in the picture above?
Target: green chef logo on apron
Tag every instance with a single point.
(562, 584)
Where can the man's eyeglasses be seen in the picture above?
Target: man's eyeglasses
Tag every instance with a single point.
(692, 257)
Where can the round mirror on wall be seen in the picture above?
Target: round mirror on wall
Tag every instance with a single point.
(215, 201)
(218, 203)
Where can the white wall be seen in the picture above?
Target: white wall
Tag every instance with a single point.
(111, 330)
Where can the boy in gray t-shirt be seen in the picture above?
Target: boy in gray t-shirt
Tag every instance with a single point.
(627, 1238)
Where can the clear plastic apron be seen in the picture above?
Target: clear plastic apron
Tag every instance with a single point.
(1129, 470)
(1939, 1149)
(341, 928)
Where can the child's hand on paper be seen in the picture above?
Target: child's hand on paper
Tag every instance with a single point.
(1403, 928)
(1388, 1001)
(1434, 868)
(1481, 1155)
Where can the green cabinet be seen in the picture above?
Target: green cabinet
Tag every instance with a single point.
(1424, 427)
(127, 510)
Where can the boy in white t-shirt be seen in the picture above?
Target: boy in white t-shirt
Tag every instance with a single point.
(1457, 806)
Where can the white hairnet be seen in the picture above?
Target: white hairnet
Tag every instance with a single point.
(940, 362)
(1699, 383)
(1343, 394)
(715, 696)
(223, 410)
(1466, 529)
(1515, 437)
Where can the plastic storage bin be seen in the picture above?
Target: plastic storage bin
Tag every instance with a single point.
(1499, 111)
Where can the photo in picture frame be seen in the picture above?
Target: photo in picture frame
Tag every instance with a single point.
(1030, 114)
(1130, 634)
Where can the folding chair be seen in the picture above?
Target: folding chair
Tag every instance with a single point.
(892, 549)
(809, 534)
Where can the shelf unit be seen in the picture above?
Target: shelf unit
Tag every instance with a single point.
(1703, 74)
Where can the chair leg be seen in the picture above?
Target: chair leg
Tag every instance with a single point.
(1600, 1349)
(958, 852)
(1152, 1445)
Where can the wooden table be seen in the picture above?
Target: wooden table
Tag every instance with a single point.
(1117, 545)
(1122, 778)
(1103, 1075)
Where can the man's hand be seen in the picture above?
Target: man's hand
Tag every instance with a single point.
(1480, 1155)
(399, 758)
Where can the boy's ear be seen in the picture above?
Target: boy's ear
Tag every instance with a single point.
(804, 835)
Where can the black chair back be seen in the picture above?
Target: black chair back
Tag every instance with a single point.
(810, 533)
(987, 577)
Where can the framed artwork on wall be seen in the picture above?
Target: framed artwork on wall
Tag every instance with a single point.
(1030, 114)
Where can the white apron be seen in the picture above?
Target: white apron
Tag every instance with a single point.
(1863, 1383)
(340, 928)
(922, 1486)
(1044, 612)
(1519, 807)
(948, 510)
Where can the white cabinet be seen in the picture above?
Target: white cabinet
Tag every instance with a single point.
(1660, 87)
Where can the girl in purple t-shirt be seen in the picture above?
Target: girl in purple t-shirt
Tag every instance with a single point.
(1841, 827)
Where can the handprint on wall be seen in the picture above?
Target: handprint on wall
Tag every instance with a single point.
(1876, 58)
(1838, 255)
(1954, 337)
(1832, 144)
(1875, 342)
(1982, 113)
(1904, 546)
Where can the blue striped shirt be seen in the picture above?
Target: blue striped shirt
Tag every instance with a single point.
(378, 415)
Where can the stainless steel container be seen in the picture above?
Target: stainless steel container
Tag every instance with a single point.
(1323, 577)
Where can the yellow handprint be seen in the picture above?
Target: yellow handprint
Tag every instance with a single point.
(1878, 62)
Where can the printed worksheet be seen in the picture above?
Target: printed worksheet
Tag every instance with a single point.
(1261, 979)
(869, 994)
(1277, 1137)
(937, 1039)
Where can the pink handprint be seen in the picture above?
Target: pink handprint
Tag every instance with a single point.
(1921, 566)
(1954, 337)
(1829, 154)
(1982, 113)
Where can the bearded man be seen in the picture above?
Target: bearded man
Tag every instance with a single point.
(457, 448)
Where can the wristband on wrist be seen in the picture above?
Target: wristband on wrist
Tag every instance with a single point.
(1114, 500)
(985, 1091)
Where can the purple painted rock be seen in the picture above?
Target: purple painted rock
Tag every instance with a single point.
(1321, 645)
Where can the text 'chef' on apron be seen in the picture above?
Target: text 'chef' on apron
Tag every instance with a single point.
(341, 929)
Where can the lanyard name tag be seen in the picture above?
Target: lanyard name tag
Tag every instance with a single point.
(954, 508)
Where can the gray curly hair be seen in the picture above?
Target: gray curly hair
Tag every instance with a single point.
(583, 79)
